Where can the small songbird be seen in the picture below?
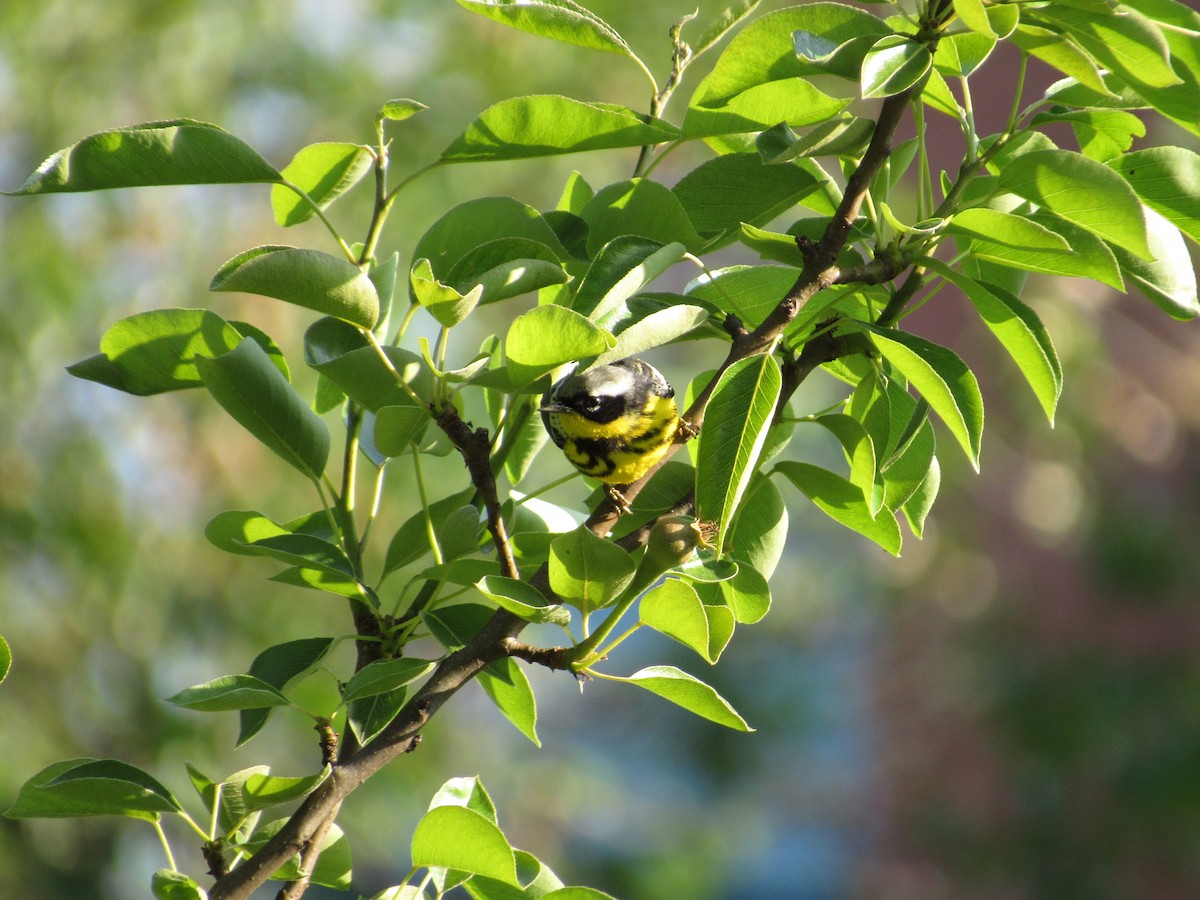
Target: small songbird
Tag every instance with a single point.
(613, 422)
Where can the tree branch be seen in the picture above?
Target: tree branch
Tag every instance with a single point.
(498, 637)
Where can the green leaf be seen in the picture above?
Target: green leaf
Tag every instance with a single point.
(858, 447)
(178, 151)
(1061, 52)
(844, 503)
(1170, 280)
(759, 530)
(455, 837)
(587, 571)
(507, 267)
(306, 550)
(917, 508)
(259, 790)
(279, 666)
(622, 268)
(341, 353)
(466, 792)
(307, 278)
(92, 787)
(688, 692)
(522, 599)
(248, 386)
(410, 542)
(324, 171)
(397, 428)
(961, 54)
(454, 626)
(370, 715)
(5, 658)
(759, 81)
(330, 582)
(1018, 329)
(167, 884)
(658, 328)
(559, 20)
(638, 207)
(1126, 42)
(837, 137)
(577, 893)
(1082, 191)
(746, 593)
(550, 125)
(466, 228)
(721, 24)
(1166, 179)
(774, 47)
(791, 100)
(1091, 257)
(749, 292)
(233, 530)
(400, 109)
(894, 63)
(1008, 229)
(548, 336)
(737, 188)
(443, 302)
(674, 609)
(385, 675)
(942, 378)
(506, 684)
(902, 435)
(735, 429)
(832, 38)
(1103, 134)
(538, 880)
(155, 351)
(974, 16)
(229, 692)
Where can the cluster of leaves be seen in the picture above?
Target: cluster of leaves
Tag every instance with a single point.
(487, 557)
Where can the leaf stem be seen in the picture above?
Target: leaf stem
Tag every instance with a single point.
(320, 213)
(430, 532)
(162, 839)
(376, 498)
(627, 633)
(387, 363)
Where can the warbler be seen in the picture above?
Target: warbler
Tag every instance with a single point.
(613, 422)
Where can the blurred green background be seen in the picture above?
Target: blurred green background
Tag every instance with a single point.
(1011, 710)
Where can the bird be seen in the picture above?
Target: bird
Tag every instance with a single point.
(613, 422)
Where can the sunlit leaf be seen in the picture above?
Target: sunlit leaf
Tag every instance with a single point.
(942, 378)
(688, 692)
(1018, 328)
(549, 125)
(92, 787)
(844, 503)
(177, 151)
(455, 837)
(1082, 191)
(249, 387)
(324, 172)
(560, 20)
(307, 278)
(735, 429)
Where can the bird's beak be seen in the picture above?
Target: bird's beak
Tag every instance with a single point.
(553, 407)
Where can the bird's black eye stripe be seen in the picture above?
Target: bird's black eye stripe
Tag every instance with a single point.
(598, 408)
